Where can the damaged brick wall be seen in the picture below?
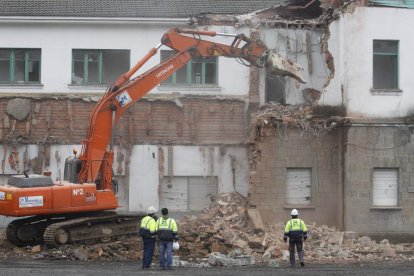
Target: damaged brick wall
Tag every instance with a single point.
(193, 120)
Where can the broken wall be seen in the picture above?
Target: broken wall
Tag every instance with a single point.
(302, 45)
(283, 149)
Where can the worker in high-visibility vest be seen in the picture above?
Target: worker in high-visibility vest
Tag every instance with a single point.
(297, 232)
(167, 233)
(148, 232)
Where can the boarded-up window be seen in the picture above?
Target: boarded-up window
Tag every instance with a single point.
(385, 187)
(201, 190)
(174, 193)
(187, 193)
(298, 186)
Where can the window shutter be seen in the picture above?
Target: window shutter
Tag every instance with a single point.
(385, 187)
(298, 186)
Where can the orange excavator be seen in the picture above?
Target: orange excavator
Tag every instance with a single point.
(81, 207)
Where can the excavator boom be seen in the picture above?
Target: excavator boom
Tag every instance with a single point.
(125, 91)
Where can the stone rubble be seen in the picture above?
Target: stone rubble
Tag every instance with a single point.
(223, 234)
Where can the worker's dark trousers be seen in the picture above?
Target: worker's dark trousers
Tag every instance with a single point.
(298, 242)
(149, 245)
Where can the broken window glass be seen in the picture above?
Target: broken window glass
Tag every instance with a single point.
(19, 66)
(385, 63)
(98, 67)
(199, 71)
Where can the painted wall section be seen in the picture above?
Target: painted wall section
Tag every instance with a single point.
(354, 61)
(143, 178)
(62, 37)
(229, 165)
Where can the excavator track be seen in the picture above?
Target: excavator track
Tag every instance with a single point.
(27, 231)
(102, 228)
(59, 230)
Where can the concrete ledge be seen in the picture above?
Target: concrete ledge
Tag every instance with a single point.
(386, 208)
(394, 237)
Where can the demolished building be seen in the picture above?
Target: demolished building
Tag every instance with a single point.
(337, 148)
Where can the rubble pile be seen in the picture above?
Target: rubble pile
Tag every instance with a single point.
(222, 234)
(223, 228)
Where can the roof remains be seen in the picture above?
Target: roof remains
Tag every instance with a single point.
(132, 8)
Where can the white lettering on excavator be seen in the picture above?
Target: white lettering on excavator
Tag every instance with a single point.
(77, 192)
(165, 70)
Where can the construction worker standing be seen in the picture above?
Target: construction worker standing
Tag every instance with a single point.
(296, 231)
(167, 232)
(148, 232)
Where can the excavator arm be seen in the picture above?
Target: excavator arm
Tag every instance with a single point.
(125, 91)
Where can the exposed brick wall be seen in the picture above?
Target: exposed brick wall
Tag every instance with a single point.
(198, 121)
(279, 152)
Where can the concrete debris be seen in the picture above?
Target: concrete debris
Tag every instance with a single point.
(256, 219)
(233, 259)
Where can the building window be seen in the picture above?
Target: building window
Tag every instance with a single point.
(200, 71)
(298, 186)
(19, 66)
(275, 88)
(385, 71)
(98, 67)
(385, 187)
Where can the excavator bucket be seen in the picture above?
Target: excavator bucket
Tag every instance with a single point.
(277, 65)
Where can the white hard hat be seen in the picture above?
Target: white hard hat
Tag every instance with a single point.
(151, 210)
(294, 212)
(176, 246)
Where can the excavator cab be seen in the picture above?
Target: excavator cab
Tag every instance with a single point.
(73, 166)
